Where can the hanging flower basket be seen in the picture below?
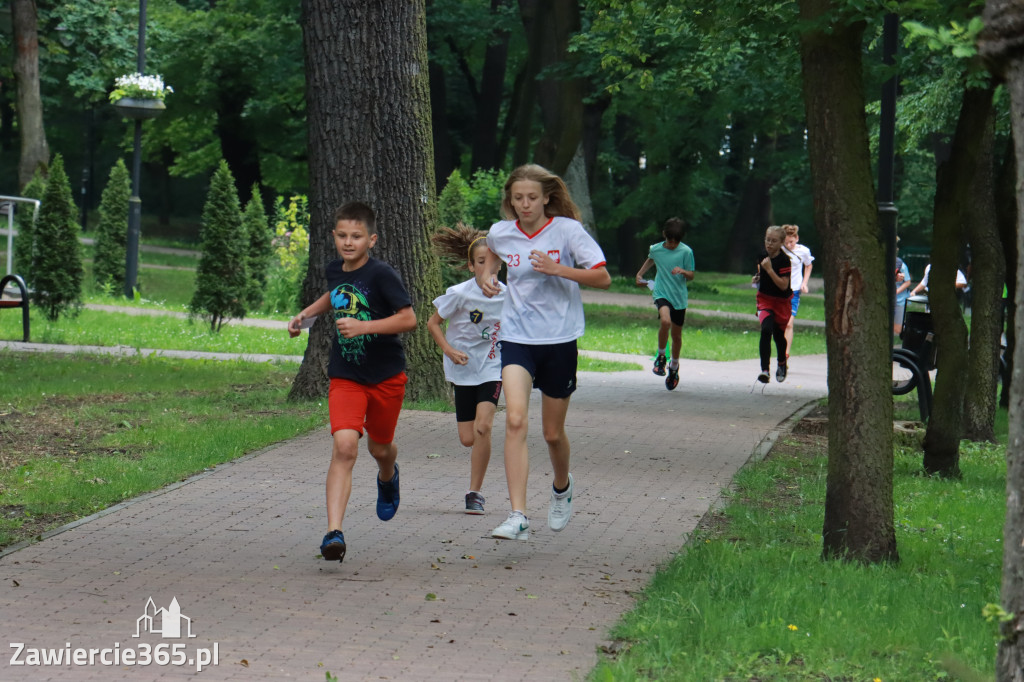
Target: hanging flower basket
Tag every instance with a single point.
(138, 96)
(137, 108)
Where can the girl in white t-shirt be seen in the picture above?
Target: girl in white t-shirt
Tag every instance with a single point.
(548, 254)
(472, 360)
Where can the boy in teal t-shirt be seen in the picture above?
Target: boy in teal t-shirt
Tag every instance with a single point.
(674, 261)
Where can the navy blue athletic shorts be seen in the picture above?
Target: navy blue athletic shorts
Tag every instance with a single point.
(552, 366)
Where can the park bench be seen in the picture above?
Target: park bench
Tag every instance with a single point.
(21, 302)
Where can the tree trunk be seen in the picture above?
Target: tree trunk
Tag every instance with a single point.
(1002, 42)
(988, 270)
(488, 105)
(753, 190)
(858, 522)
(952, 204)
(1006, 210)
(35, 153)
(369, 140)
(445, 154)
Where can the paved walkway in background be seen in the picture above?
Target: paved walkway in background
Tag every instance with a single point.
(428, 595)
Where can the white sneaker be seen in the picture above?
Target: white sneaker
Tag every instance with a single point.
(515, 527)
(561, 508)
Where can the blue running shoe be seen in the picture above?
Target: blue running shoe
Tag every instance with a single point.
(333, 546)
(387, 497)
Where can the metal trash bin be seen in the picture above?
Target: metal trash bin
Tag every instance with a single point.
(919, 337)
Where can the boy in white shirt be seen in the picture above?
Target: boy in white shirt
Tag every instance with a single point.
(802, 261)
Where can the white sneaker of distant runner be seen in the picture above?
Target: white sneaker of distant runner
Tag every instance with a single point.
(561, 507)
(515, 527)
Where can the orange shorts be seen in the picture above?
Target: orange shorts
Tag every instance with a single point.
(376, 407)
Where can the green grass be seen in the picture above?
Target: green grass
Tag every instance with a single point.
(634, 331)
(725, 292)
(82, 433)
(100, 328)
(750, 599)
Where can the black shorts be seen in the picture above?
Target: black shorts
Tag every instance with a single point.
(468, 397)
(552, 366)
(677, 316)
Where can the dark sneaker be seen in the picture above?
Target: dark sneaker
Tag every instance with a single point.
(474, 503)
(387, 497)
(764, 377)
(659, 365)
(333, 546)
(672, 380)
(780, 373)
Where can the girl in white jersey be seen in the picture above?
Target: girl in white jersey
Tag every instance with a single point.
(472, 360)
(548, 255)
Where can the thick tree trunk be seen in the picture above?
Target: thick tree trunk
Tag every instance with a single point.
(549, 25)
(370, 140)
(952, 209)
(35, 153)
(1002, 42)
(858, 522)
(988, 270)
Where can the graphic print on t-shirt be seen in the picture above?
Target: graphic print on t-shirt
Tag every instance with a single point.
(348, 301)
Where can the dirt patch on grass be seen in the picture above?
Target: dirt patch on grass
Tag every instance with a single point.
(61, 427)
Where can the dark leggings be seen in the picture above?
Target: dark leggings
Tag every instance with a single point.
(771, 330)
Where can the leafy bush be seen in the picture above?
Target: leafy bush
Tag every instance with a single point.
(476, 203)
(112, 230)
(57, 255)
(290, 255)
(221, 278)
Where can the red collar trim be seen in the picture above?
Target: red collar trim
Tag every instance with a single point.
(541, 229)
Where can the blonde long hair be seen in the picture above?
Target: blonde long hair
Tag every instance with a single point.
(553, 187)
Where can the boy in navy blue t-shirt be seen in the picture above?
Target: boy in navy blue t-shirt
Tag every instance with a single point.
(367, 365)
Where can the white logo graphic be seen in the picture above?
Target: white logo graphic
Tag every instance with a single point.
(170, 621)
(164, 622)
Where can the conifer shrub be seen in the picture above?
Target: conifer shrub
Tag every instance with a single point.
(57, 255)
(25, 225)
(110, 255)
(222, 274)
(254, 218)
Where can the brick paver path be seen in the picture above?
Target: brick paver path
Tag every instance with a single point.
(237, 546)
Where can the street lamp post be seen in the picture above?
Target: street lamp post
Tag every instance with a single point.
(135, 203)
(887, 213)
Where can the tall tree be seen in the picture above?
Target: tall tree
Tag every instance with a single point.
(858, 521)
(369, 140)
(1002, 42)
(35, 153)
(945, 425)
(988, 272)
